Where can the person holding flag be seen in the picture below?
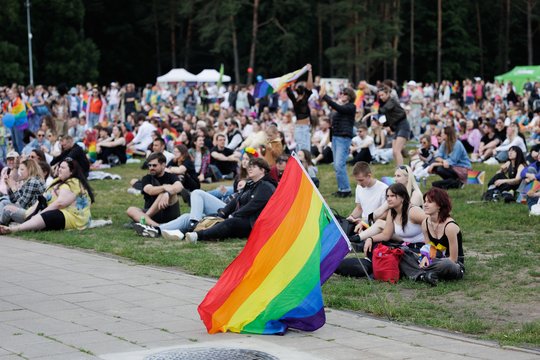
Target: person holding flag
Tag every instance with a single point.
(302, 129)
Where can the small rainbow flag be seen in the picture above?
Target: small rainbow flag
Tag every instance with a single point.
(19, 112)
(388, 180)
(476, 177)
(85, 101)
(522, 195)
(275, 282)
(274, 85)
(359, 101)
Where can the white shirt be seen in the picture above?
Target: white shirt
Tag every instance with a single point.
(370, 198)
(359, 143)
(143, 139)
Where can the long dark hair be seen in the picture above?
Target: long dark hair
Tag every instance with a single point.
(520, 158)
(401, 191)
(76, 173)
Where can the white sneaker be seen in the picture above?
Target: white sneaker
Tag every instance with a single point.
(133, 191)
(173, 235)
(192, 237)
(491, 161)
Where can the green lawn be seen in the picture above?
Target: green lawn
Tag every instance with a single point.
(498, 299)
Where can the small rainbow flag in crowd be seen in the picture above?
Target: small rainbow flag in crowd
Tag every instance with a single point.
(85, 101)
(359, 101)
(388, 180)
(19, 112)
(522, 195)
(275, 282)
(90, 142)
(476, 177)
(274, 85)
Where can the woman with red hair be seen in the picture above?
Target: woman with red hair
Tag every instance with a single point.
(443, 256)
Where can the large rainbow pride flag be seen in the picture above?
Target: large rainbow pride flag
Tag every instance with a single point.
(274, 85)
(275, 282)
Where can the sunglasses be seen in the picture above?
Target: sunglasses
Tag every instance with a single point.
(152, 165)
(404, 168)
(41, 135)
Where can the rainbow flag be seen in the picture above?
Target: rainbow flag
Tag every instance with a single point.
(19, 112)
(359, 101)
(522, 195)
(275, 282)
(476, 177)
(85, 101)
(273, 85)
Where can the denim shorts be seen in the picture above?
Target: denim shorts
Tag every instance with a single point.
(403, 129)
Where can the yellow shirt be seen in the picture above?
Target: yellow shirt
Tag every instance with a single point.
(77, 214)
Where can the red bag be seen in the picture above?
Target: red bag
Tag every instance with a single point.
(386, 263)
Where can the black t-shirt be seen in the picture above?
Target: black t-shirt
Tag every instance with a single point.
(486, 139)
(226, 167)
(501, 134)
(166, 179)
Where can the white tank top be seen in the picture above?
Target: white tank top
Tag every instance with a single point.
(411, 234)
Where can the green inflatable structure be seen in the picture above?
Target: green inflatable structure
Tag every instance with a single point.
(519, 76)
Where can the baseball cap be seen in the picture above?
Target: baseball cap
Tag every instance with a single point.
(411, 83)
(12, 154)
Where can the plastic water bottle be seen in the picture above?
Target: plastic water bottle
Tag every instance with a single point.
(143, 220)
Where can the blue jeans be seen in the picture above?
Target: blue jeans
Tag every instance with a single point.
(340, 148)
(93, 120)
(220, 195)
(202, 203)
(302, 137)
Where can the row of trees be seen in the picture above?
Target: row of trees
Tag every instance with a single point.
(134, 40)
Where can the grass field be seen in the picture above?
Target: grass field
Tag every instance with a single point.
(498, 299)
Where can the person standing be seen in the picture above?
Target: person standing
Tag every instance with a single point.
(302, 129)
(16, 107)
(395, 118)
(342, 130)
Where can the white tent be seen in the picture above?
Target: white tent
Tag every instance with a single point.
(211, 75)
(177, 75)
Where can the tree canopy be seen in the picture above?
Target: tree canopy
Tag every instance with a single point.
(135, 41)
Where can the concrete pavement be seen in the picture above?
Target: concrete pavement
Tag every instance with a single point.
(60, 303)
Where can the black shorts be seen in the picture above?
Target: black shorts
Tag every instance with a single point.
(54, 220)
(168, 214)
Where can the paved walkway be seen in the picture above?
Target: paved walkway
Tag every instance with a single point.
(58, 303)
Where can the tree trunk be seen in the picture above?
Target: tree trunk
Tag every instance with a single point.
(412, 40)
(439, 40)
(173, 33)
(253, 41)
(332, 37)
(480, 40)
(156, 33)
(320, 39)
(189, 34)
(235, 50)
(529, 33)
(395, 43)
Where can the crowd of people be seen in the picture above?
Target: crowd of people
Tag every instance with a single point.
(188, 134)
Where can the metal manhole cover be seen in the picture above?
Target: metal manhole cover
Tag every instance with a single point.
(211, 354)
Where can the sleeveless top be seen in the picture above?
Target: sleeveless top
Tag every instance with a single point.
(411, 234)
(442, 244)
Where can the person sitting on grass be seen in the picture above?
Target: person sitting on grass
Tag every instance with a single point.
(402, 175)
(508, 177)
(68, 201)
(369, 195)
(202, 204)
(22, 196)
(403, 221)
(451, 162)
(445, 258)
(241, 213)
(160, 191)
